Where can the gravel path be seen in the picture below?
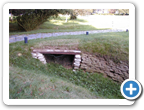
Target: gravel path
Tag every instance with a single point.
(16, 38)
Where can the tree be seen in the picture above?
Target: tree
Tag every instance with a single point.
(29, 19)
(76, 12)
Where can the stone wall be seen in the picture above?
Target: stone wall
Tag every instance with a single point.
(92, 63)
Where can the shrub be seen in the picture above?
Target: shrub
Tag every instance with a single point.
(30, 19)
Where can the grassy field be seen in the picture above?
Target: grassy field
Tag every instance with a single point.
(56, 25)
(29, 78)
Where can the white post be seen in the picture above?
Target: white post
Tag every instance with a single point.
(66, 18)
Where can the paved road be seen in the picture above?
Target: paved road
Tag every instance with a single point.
(16, 38)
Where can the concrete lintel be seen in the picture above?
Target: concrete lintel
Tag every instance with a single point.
(48, 51)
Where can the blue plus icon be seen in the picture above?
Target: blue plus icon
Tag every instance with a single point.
(131, 89)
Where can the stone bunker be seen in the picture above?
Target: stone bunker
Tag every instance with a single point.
(90, 63)
(67, 58)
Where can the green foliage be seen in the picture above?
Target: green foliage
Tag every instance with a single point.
(30, 19)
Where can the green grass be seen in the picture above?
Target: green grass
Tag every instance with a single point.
(26, 71)
(31, 84)
(56, 25)
(112, 45)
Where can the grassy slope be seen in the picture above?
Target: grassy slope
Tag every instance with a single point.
(96, 83)
(31, 84)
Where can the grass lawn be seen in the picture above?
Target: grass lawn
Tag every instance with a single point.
(29, 78)
(56, 25)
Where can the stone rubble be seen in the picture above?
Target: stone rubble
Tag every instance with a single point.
(117, 72)
(92, 63)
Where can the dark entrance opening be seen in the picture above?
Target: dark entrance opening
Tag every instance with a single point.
(62, 59)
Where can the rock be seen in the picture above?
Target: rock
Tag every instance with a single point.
(34, 55)
(126, 75)
(111, 70)
(77, 56)
(19, 54)
(39, 55)
(110, 74)
(83, 66)
(118, 78)
(42, 59)
(77, 60)
(77, 64)
(76, 68)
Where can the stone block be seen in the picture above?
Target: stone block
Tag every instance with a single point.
(76, 68)
(75, 64)
(34, 55)
(39, 55)
(44, 62)
(77, 56)
(42, 59)
(77, 59)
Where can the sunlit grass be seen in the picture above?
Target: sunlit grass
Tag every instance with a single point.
(57, 25)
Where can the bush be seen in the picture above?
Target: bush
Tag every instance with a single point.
(31, 19)
(30, 22)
